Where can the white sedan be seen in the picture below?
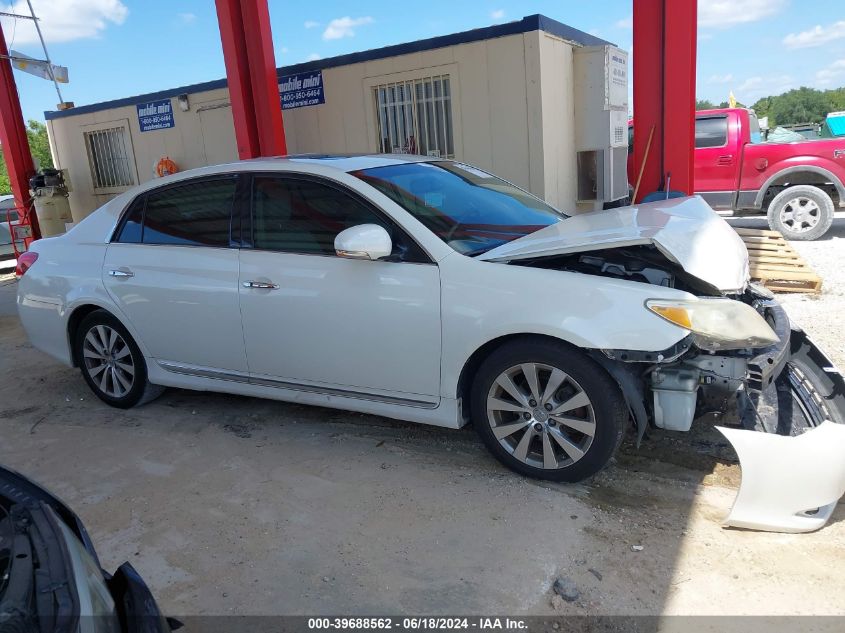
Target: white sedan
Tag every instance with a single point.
(424, 290)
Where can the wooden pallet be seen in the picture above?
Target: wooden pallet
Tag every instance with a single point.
(777, 265)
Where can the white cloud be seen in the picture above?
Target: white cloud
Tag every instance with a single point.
(344, 27)
(816, 36)
(62, 20)
(498, 14)
(284, 50)
(831, 74)
(720, 79)
(750, 84)
(187, 18)
(313, 57)
(627, 23)
(311, 24)
(755, 87)
(727, 13)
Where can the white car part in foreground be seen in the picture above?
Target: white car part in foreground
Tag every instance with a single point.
(789, 484)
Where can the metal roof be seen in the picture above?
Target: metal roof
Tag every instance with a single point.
(527, 24)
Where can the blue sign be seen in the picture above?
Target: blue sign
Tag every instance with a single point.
(301, 90)
(155, 115)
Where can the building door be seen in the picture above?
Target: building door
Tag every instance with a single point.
(218, 133)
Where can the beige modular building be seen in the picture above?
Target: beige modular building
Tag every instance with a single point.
(537, 102)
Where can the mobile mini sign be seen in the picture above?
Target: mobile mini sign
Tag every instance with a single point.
(301, 90)
(155, 115)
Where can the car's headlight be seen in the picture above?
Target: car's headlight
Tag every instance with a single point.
(717, 323)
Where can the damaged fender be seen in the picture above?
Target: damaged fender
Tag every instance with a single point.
(789, 484)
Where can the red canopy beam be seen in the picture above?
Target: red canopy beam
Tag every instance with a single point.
(13, 137)
(664, 93)
(251, 74)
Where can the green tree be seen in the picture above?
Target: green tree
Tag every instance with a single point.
(801, 105)
(39, 146)
(5, 185)
(704, 104)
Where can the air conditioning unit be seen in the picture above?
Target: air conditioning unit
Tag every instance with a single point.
(602, 174)
(601, 138)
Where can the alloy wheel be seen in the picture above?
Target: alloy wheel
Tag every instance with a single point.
(108, 361)
(541, 416)
(800, 214)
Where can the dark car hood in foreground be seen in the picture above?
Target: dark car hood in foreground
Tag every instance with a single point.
(20, 489)
(137, 609)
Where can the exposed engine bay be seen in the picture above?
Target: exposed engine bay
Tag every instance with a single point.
(642, 263)
(752, 387)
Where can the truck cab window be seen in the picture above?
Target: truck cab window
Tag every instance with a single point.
(711, 131)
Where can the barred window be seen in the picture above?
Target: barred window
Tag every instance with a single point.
(108, 155)
(415, 117)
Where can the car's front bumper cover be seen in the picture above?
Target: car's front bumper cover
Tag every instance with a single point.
(791, 451)
(791, 386)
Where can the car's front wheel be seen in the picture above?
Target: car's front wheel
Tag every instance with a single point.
(111, 362)
(547, 411)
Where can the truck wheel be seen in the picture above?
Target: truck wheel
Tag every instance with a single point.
(801, 212)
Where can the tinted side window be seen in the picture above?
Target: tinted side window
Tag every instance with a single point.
(711, 132)
(132, 230)
(196, 213)
(303, 216)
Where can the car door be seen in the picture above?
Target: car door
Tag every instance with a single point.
(173, 272)
(311, 318)
(715, 163)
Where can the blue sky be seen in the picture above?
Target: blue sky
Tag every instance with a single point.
(119, 48)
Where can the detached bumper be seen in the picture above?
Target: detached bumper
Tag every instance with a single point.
(789, 484)
(793, 473)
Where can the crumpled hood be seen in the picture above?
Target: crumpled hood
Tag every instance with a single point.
(686, 230)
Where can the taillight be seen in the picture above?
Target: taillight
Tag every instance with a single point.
(25, 262)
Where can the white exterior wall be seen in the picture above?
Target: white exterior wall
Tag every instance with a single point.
(512, 107)
(557, 102)
(202, 136)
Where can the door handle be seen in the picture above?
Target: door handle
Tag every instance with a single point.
(725, 159)
(121, 272)
(261, 284)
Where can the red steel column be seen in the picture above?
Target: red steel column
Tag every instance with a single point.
(265, 81)
(679, 93)
(13, 137)
(664, 92)
(251, 73)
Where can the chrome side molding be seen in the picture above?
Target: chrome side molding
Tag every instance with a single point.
(200, 372)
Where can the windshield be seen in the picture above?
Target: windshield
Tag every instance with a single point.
(469, 209)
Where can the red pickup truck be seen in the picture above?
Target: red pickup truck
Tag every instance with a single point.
(798, 185)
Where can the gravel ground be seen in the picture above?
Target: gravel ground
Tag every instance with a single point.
(820, 315)
(231, 505)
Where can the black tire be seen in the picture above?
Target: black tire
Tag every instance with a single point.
(606, 411)
(140, 390)
(818, 219)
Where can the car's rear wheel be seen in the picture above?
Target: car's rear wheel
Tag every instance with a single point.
(111, 362)
(547, 411)
(801, 212)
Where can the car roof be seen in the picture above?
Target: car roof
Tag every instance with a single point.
(346, 162)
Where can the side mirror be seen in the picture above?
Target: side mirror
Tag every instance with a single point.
(365, 241)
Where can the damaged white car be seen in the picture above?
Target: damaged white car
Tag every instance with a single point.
(425, 290)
